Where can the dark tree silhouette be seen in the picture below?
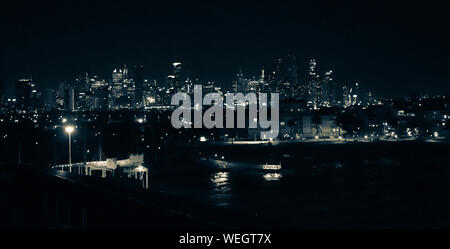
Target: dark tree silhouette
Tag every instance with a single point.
(316, 120)
(349, 122)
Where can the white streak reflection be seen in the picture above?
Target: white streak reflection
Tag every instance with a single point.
(220, 193)
(272, 176)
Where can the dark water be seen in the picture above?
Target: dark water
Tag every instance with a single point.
(319, 185)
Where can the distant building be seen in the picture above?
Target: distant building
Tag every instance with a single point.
(176, 79)
(319, 126)
(49, 98)
(328, 89)
(346, 96)
(24, 92)
(122, 90)
(208, 88)
(314, 92)
(69, 98)
(118, 77)
(240, 84)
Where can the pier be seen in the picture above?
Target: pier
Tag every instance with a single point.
(131, 167)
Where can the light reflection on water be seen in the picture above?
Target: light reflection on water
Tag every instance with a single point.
(272, 176)
(271, 172)
(251, 180)
(221, 188)
(220, 178)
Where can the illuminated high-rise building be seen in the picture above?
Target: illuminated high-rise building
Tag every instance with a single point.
(240, 84)
(189, 85)
(346, 96)
(101, 93)
(328, 89)
(209, 87)
(49, 98)
(82, 90)
(69, 98)
(280, 77)
(122, 89)
(81, 83)
(356, 98)
(314, 91)
(264, 85)
(117, 82)
(285, 79)
(292, 74)
(176, 80)
(24, 92)
(125, 72)
(254, 86)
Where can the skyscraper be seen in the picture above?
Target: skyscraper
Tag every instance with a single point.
(240, 84)
(356, 98)
(328, 89)
(82, 89)
(81, 83)
(122, 90)
(280, 76)
(24, 89)
(117, 82)
(263, 82)
(176, 80)
(49, 98)
(100, 94)
(69, 98)
(292, 72)
(285, 77)
(314, 85)
(346, 96)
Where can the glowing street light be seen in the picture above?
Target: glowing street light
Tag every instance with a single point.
(69, 129)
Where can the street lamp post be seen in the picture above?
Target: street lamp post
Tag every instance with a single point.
(69, 129)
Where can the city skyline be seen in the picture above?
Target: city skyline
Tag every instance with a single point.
(200, 119)
(127, 88)
(392, 48)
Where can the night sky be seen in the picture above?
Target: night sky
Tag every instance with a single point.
(392, 49)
